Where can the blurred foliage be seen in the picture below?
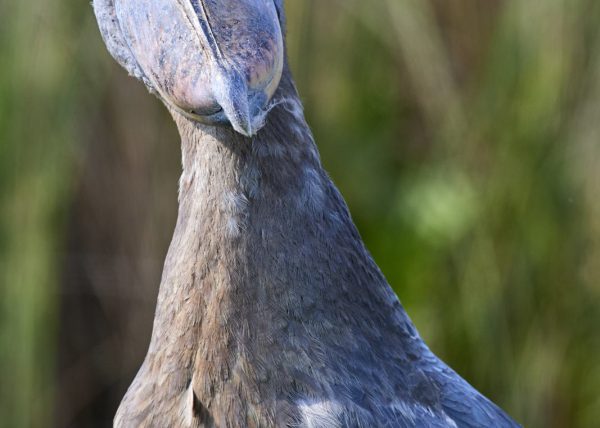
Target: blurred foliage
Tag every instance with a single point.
(464, 135)
(37, 110)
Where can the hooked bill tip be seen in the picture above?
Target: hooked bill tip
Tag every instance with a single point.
(232, 95)
(243, 124)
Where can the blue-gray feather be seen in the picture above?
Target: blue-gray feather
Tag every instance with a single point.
(271, 311)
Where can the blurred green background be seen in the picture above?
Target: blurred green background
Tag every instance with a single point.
(464, 134)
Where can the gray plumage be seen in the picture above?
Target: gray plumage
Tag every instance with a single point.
(271, 312)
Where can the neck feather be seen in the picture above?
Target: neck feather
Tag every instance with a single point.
(264, 261)
(251, 214)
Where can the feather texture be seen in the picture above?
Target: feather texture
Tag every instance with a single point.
(271, 312)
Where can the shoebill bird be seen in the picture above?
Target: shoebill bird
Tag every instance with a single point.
(271, 312)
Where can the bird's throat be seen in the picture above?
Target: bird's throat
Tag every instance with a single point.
(250, 211)
(266, 276)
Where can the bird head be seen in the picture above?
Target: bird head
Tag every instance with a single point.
(214, 61)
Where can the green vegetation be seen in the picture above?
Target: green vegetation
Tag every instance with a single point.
(465, 136)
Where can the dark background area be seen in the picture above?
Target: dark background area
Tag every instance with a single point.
(464, 135)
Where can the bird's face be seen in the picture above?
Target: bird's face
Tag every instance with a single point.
(215, 61)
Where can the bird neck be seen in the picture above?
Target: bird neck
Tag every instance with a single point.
(265, 261)
(250, 211)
